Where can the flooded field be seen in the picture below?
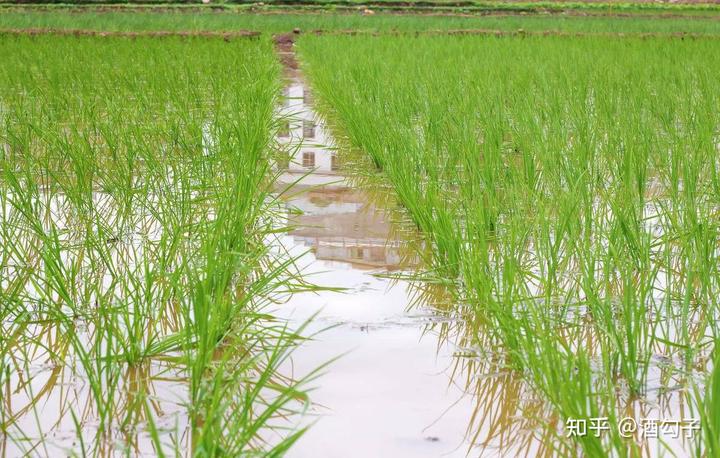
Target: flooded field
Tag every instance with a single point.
(358, 245)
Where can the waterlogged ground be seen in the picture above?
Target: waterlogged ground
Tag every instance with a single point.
(40, 403)
(589, 297)
(391, 387)
(388, 389)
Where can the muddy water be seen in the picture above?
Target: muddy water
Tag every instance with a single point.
(390, 392)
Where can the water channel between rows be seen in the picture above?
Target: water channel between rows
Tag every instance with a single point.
(390, 393)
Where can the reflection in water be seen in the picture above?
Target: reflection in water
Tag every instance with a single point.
(335, 220)
(390, 393)
(338, 227)
(63, 388)
(396, 392)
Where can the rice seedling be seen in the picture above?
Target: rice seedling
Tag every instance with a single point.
(708, 407)
(138, 21)
(135, 191)
(572, 207)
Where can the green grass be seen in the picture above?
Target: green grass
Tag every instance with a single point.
(134, 190)
(274, 23)
(573, 207)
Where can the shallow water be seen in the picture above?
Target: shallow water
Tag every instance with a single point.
(390, 392)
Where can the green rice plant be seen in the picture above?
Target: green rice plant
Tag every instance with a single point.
(572, 207)
(135, 191)
(707, 403)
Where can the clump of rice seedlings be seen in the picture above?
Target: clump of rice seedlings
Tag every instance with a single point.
(706, 401)
(572, 207)
(134, 206)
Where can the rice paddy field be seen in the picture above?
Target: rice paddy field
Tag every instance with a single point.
(120, 20)
(400, 235)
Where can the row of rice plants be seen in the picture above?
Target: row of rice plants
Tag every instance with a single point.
(134, 192)
(568, 189)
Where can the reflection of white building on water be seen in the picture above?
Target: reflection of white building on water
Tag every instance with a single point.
(308, 142)
(335, 220)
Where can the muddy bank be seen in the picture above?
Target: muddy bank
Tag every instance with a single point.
(520, 33)
(284, 43)
(151, 34)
